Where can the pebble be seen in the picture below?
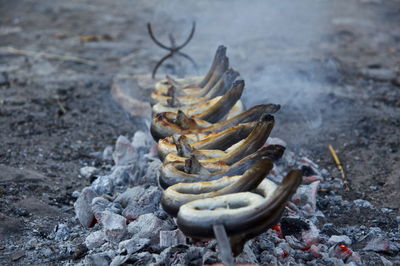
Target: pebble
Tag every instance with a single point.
(107, 153)
(95, 239)
(362, 203)
(88, 171)
(133, 245)
(383, 245)
(103, 185)
(148, 226)
(124, 153)
(100, 259)
(342, 239)
(114, 226)
(141, 139)
(62, 232)
(83, 209)
(172, 238)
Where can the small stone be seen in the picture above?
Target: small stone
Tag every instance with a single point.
(141, 139)
(103, 185)
(100, 204)
(95, 239)
(99, 259)
(382, 245)
(385, 261)
(61, 232)
(152, 172)
(79, 252)
(362, 203)
(147, 203)
(47, 252)
(132, 194)
(114, 226)
(279, 253)
(310, 236)
(307, 194)
(148, 226)
(125, 153)
(343, 239)
(17, 255)
(132, 245)
(88, 171)
(172, 238)
(107, 153)
(83, 209)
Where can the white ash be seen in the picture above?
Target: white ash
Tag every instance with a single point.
(130, 227)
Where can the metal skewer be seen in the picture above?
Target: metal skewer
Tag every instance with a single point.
(223, 244)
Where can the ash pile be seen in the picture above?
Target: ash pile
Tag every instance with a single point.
(123, 223)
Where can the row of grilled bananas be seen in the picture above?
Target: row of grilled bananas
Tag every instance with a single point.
(215, 161)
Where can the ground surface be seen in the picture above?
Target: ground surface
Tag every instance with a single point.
(57, 115)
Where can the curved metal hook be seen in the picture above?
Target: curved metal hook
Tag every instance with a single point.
(173, 49)
(189, 38)
(149, 29)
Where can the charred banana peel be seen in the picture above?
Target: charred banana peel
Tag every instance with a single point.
(216, 164)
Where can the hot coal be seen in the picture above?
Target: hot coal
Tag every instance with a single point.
(128, 214)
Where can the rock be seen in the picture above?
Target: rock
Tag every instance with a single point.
(148, 226)
(293, 226)
(83, 208)
(147, 203)
(133, 245)
(61, 232)
(108, 153)
(95, 239)
(267, 258)
(127, 248)
(385, 261)
(99, 259)
(152, 172)
(343, 239)
(362, 203)
(125, 153)
(178, 255)
(279, 253)
(307, 194)
(310, 236)
(88, 171)
(123, 175)
(114, 226)
(100, 204)
(382, 245)
(103, 185)
(344, 253)
(17, 255)
(132, 194)
(172, 238)
(141, 139)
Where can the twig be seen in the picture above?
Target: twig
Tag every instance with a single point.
(340, 167)
(61, 106)
(12, 50)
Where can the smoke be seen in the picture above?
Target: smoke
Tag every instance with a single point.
(277, 46)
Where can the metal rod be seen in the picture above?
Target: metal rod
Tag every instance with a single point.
(223, 244)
